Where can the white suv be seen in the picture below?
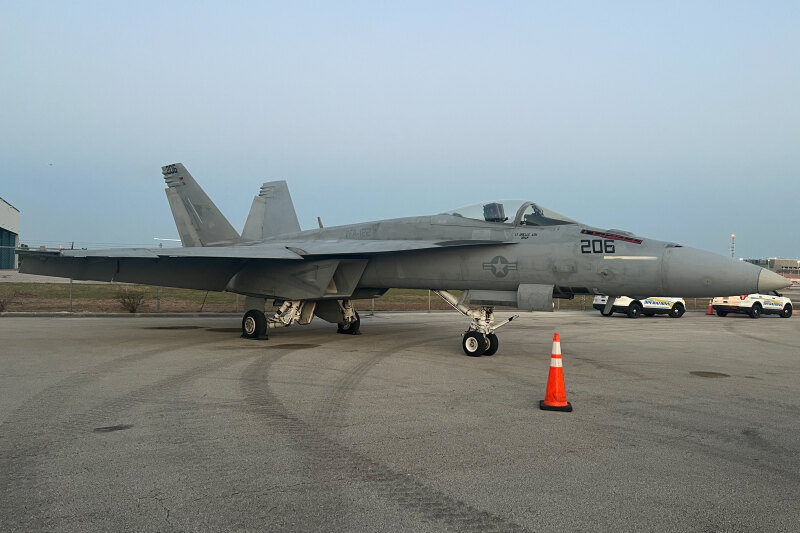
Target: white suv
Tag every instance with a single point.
(754, 305)
(674, 307)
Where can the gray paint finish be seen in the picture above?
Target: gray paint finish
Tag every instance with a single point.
(444, 252)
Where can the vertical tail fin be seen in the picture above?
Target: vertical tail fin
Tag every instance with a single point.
(199, 221)
(271, 214)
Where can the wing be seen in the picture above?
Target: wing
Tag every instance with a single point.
(309, 269)
(205, 268)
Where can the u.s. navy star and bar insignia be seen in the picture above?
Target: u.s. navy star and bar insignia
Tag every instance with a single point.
(499, 266)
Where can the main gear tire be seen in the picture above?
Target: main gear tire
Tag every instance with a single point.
(254, 324)
(353, 328)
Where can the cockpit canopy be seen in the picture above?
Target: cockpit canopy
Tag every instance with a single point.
(524, 213)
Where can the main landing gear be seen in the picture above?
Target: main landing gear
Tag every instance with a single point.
(255, 323)
(479, 339)
(351, 322)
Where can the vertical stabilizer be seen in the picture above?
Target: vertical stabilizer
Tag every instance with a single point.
(199, 221)
(271, 214)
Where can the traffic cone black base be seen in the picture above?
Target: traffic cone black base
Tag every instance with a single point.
(564, 408)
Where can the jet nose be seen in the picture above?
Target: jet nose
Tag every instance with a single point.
(770, 281)
(690, 272)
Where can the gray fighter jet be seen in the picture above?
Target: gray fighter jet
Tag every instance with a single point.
(499, 253)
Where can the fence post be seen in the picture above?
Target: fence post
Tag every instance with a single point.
(70, 295)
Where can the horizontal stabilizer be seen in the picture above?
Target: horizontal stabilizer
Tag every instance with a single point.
(200, 273)
(269, 251)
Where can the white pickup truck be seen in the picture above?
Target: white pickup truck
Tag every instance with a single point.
(674, 307)
(754, 305)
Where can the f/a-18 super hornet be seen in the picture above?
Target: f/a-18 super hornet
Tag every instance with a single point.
(499, 253)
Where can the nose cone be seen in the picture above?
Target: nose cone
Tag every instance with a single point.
(770, 281)
(690, 272)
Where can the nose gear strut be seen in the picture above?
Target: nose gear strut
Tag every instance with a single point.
(479, 339)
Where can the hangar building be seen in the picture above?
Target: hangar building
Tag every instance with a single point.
(781, 266)
(9, 234)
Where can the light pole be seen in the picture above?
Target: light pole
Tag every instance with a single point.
(733, 243)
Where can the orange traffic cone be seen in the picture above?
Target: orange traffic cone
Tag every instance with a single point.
(710, 309)
(555, 399)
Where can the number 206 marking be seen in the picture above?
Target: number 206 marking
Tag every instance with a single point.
(597, 246)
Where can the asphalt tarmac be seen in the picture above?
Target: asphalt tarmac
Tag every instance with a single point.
(177, 424)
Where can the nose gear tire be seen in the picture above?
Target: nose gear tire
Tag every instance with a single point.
(494, 344)
(474, 344)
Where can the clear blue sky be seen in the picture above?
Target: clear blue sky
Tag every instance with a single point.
(675, 120)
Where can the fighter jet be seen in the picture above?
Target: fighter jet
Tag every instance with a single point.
(512, 253)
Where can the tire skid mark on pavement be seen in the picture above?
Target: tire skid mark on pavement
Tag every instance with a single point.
(324, 452)
(342, 389)
(206, 475)
(23, 449)
(731, 327)
(57, 432)
(56, 397)
(33, 427)
(739, 447)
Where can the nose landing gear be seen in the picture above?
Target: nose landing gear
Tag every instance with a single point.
(479, 339)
